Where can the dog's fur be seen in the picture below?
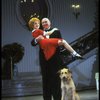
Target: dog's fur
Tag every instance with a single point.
(67, 85)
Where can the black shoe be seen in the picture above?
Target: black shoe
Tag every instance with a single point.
(79, 57)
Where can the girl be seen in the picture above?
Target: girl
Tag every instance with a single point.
(48, 45)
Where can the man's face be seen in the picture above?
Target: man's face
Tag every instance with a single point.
(45, 23)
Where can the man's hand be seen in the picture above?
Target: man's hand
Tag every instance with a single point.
(40, 37)
(50, 32)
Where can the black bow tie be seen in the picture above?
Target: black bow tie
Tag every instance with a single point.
(48, 29)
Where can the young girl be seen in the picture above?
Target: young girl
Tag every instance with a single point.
(48, 45)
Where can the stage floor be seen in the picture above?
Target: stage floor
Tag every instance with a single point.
(84, 95)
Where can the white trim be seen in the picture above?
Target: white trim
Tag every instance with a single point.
(33, 30)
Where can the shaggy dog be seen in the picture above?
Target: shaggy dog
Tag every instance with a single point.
(67, 85)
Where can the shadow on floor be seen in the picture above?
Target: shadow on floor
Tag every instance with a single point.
(84, 95)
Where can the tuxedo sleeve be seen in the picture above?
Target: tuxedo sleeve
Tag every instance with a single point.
(56, 34)
(33, 42)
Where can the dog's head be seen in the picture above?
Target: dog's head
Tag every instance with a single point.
(65, 74)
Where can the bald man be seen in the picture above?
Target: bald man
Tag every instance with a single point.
(49, 69)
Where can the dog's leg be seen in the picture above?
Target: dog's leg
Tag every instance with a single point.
(77, 97)
(63, 95)
(72, 93)
(66, 95)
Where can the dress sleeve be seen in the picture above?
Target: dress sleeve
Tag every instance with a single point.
(37, 32)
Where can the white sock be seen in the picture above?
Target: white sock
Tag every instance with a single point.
(75, 54)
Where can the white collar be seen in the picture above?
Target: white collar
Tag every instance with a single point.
(33, 30)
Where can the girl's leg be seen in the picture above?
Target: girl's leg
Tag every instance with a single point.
(68, 47)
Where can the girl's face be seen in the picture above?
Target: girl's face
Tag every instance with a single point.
(36, 25)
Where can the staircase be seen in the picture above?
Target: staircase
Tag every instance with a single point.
(82, 70)
(82, 45)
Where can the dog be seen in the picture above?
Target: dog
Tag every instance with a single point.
(67, 85)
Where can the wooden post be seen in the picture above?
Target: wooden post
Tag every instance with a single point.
(11, 68)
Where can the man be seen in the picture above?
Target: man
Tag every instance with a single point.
(49, 69)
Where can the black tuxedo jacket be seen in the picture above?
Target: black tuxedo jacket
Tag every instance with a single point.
(56, 60)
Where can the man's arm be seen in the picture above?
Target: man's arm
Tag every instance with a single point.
(56, 34)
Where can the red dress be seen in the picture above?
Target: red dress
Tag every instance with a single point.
(48, 45)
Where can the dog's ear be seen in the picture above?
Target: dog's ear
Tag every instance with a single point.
(59, 71)
(69, 71)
